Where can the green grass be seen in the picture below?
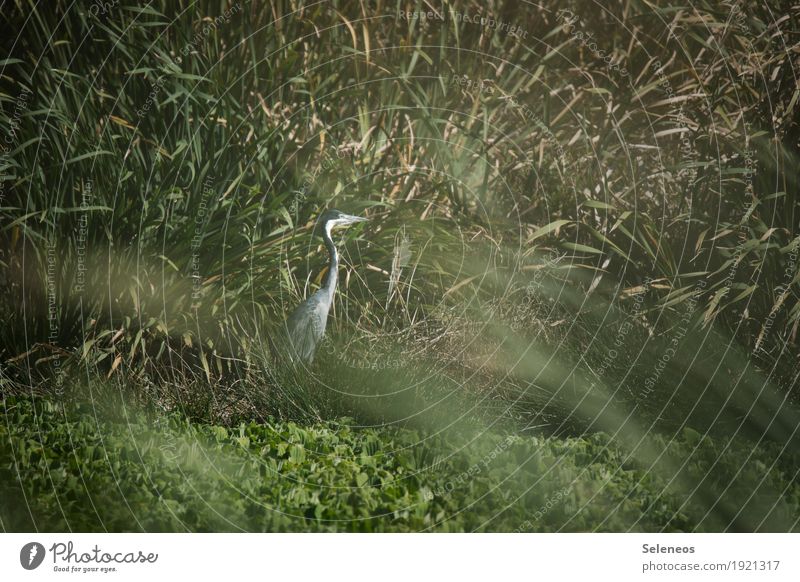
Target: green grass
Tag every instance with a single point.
(66, 469)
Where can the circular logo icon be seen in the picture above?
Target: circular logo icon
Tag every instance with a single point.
(31, 555)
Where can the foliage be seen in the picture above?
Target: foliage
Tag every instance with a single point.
(192, 141)
(544, 229)
(68, 469)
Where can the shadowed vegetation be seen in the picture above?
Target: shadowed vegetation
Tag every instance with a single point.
(560, 245)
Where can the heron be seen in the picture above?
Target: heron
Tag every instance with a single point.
(305, 327)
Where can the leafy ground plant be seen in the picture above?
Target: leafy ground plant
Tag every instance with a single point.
(67, 469)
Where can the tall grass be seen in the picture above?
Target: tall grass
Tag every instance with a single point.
(168, 161)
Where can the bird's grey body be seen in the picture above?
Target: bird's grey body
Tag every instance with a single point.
(305, 327)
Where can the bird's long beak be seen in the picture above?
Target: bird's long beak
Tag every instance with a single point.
(353, 219)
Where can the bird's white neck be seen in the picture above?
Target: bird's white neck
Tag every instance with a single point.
(332, 276)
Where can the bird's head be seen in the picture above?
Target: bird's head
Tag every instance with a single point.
(333, 218)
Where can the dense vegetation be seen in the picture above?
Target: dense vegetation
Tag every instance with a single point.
(585, 227)
(143, 474)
